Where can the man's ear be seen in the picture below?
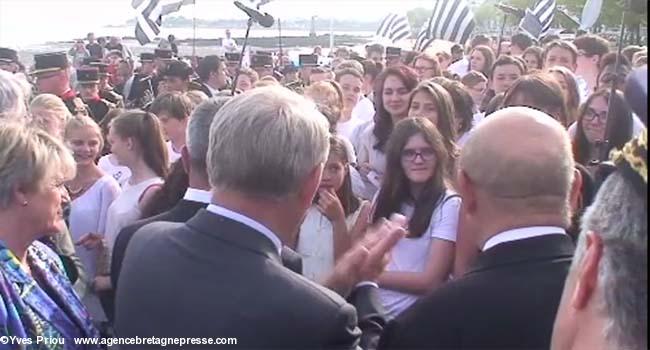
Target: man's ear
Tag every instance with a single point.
(310, 185)
(467, 191)
(575, 196)
(587, 274)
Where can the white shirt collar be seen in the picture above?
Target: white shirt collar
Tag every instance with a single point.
(248, 222)
(214, 92)
(522, 233)
(195, 195)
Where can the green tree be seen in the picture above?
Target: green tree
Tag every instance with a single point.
(418, 17)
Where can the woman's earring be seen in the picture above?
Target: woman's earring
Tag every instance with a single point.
(25, 203)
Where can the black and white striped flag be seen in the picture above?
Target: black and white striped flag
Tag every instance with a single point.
(538, 21)
(545, 11)
(452, 20)
(149, 16)
(394, 27)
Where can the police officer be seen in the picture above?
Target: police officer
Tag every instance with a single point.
(162, 56)
(137, 91)
(106, 91)
(52, 75)
(176, 76)
(262, 63)
(8, 60)
(88, 81)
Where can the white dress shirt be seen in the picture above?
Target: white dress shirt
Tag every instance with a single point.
(263, 230)
(196, 195)
(522, 233)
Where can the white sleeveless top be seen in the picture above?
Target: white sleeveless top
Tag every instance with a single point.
(125, 210)
(88, 215)
(316, 243)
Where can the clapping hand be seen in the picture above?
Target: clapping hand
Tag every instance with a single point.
(367, 259)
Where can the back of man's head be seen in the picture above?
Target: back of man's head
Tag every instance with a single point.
(520, 158)
(13, 97)
(266, 142)
(619, 216)
(198, 129)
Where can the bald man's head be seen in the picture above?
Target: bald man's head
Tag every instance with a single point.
(521, 158)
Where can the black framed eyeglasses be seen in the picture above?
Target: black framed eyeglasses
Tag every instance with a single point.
(591, 115)
(425, 154)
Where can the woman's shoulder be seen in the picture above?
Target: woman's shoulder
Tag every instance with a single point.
(45, 255)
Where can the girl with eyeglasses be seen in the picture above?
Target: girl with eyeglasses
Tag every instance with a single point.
(414, 186)
(591, 126)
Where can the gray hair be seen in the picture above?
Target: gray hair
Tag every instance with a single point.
(14, 93)
(29, 157)
(619, 216)
(198, 129)
(265, 142)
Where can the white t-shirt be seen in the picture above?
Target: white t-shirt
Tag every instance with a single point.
(229, 45)
(316, 243)
(460, 67)
(364, 110)
(347, 129)
(110, 166)
(88, 214)
(412, 254)
(172, 154)
(377, 160)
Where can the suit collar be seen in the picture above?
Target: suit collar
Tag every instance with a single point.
(235, 233)
(548, 247)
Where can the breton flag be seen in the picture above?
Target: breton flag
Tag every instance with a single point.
(149, 16)
(538, 21)
(452, 20)
(394, 28)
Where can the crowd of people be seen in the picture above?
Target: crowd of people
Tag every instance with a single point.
(492, 196)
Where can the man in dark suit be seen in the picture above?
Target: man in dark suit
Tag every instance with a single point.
(516, 179)
(221, 272)
(212, 75)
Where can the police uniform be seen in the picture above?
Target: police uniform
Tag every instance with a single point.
(8, 59)
(140, 87)
(165, 55)
(98, 106)
(108, 94)
(295, 85)
(53, 62)
(262, 60)
(305, 61)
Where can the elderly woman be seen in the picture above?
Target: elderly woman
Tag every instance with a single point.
(37, 297)
(50, 114)
(13, 96)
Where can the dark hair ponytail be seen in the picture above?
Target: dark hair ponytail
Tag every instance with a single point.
(144, 128)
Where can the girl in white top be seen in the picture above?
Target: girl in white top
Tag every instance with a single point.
(92, 192)
(414, 186)
(137, 142)
(325, 232)
(351, 82)
(393, 89)
(108, 164)
(430, 100)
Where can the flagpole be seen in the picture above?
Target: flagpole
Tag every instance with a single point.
(503, 28)
(194, 31)
(280, 38)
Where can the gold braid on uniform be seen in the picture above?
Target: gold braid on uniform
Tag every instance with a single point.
(632, 161)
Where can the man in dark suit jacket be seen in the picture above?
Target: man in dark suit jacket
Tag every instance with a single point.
(212, 75)
(220, 274)
(516, 179)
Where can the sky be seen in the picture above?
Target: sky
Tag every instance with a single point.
(26, 14)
